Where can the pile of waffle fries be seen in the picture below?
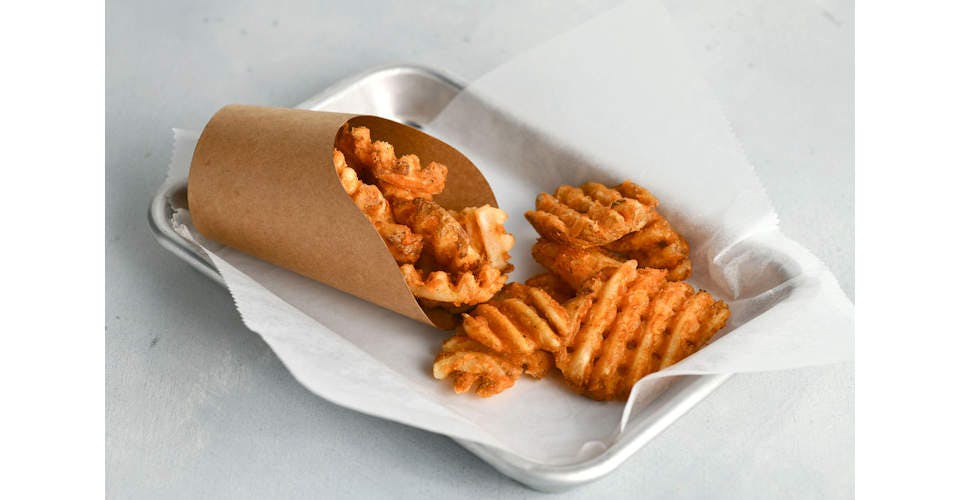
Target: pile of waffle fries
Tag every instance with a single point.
(611, 307)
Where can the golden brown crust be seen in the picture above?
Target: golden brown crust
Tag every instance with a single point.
(588, 216)
(402, 243)
(454, 289)
(573, 265)
(484, 225)
(400, 240)
(400, 178)
(546, 307)
(404, 178)
(657, 244)
(471, 364)
(520, 320)
(448, 242)
(553, 284)
(603, 320)
(633, 323)
(514, 333)
(461, 265)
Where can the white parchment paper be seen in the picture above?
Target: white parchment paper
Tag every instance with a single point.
(613, 99)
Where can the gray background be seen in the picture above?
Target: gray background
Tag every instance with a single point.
(198, 406)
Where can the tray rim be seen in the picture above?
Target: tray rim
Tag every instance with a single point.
(689, 390)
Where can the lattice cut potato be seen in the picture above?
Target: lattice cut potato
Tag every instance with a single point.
(470, 364)
(588, 216)
(657, 244)
(401, 178)
(404, 245)
(454, 288)
(573, 265)
(633, 323)
(485, 226)
(520, 320)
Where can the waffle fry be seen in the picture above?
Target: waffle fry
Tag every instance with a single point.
(402, 178)
(588, 216)
(614, 263)
(488, 237)
(449, 243)
(553, 285)
(400, 240)
(456, 289)
(514, 333)
(471, 364)
(573, 265)
(356, 145)
(466, 250)
(656, 244)
(520, 320)
(633, 323)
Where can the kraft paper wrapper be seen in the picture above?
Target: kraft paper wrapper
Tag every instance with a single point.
(262, 181)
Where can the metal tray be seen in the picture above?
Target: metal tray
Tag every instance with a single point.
(415, 95)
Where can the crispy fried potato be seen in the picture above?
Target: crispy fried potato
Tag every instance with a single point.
(536, 364)
(573, 265)
(484, 225)
(457, 289)
(515, 332)
(659, 246)
(656, 244)
(399, 178)
(448, 242)
(371, 202)
(348, 176)
(520, 320)
(357, 149)
(404, 246)
(633, 323)
(588, 216)
(400, 240)
(576, 361)
(490, 326)
(545, 305)
(553, 285)
(404, 178)
(471, 363)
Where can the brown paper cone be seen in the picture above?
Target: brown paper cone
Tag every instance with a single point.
(262, 181)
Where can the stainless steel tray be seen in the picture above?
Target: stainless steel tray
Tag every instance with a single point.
(415, 95)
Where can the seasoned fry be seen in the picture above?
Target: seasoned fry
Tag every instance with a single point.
(636, 322)
(400, 240)
(448, 241)
(588, 216)
(573, 265)
(455, 290)
(357, 148)
(610, 310)
(512, 334)
(546, 306)
(488, 237)
(656, 244)
(399, 178)
(404, 178)
(471, 363)
(402, 243)
(553, 285)
(519, 320)
(467, 251)
(576, 361)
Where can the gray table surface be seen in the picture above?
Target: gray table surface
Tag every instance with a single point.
(198, 406)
